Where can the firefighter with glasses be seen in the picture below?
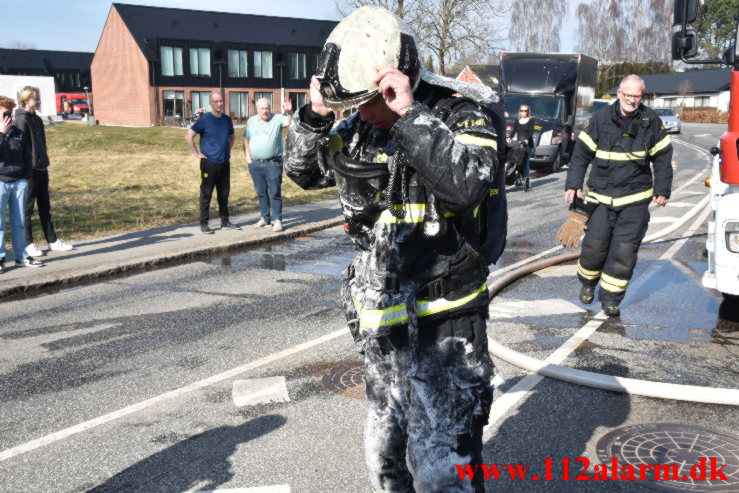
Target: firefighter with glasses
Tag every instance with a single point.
(413, 168)
(631, 157)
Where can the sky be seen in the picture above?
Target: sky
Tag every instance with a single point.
(75, 25)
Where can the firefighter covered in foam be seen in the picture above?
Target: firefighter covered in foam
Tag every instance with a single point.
(412, 167)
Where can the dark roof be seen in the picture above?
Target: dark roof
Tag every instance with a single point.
(43, 60)
(486, 73)
(219, 27)
(711, 80)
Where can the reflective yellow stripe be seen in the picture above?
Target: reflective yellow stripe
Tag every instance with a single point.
(615, 281)
(629, 199)
(475, 140)
(625, 200)
(660, 145)
(587, 274)
(588, 141)
(424, 308)
(373, 319)
(414, 213)
(620, 156)
(397, 314)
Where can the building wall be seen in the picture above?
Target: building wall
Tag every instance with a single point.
(718, 100)
(158, 97)
(467, 75)
(120, 76)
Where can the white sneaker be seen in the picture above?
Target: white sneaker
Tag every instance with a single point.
(261, 223)
(59, 246)
(277, 226)
(33, 250)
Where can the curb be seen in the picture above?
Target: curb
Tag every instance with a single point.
(139, 264)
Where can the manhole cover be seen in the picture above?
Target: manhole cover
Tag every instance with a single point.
(681, 448)
(346, 379)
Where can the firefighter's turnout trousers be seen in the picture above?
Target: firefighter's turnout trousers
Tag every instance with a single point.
(419, 428)
(610, 248)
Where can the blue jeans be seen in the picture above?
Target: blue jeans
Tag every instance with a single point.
(267, 178)
(527, 163)
(13, 195)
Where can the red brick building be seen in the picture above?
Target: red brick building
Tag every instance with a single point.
(481, 74)
(158, 65)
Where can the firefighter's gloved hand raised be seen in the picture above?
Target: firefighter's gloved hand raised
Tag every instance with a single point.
(316, 99)
(395, 88)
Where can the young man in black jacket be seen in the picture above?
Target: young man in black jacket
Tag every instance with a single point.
(15, 170)
(30, 123)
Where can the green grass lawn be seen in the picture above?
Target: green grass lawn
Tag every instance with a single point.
(107, 180)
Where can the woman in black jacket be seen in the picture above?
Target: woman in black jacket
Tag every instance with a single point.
(523, 128)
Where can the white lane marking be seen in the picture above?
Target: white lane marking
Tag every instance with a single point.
(558, 271)
(691, 192)
(663, 219)
(680, 204)
(259, 391)
(694, 147)
(531, 308)
(521, 390)
(112, 416)
(280, 488)
(497, 380)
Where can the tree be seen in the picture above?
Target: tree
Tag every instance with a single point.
(717, 26)
(534, 25)
(20, 45)
(684, 90)
(446, 29)
(634, 31)
(430, 63)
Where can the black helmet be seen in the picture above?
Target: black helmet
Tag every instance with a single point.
(368, 38)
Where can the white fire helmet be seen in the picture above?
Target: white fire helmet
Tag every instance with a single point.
(368, 38)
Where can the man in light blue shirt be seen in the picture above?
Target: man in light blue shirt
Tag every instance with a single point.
(263, 152)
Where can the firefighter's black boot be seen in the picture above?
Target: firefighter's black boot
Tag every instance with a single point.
(611, 309)
(586, 294)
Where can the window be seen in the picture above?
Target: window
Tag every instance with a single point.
(265, 95)
(237, 62)
(238, 105)
(296, 67)
(298, 99)
(200, 99)
(200, 62)
(263, 64)
(174, 103)
(171, 60)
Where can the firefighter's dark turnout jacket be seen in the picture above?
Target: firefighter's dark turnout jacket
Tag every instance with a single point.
(416, 295)
(624, 158)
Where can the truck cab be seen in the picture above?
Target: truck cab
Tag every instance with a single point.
(559, 88)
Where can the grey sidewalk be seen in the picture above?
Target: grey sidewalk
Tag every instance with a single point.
(98, 257)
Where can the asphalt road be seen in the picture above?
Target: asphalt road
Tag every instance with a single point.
(134, 383)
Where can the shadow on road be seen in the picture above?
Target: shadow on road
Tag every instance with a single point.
(547, 425)
(200, 461)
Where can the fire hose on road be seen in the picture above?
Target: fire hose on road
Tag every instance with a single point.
(710, 395)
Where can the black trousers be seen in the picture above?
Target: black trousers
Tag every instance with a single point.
(38, 191)
(610, 249)
(216, 176)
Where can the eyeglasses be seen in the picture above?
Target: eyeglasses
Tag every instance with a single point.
(635, 97)
(523, 110)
